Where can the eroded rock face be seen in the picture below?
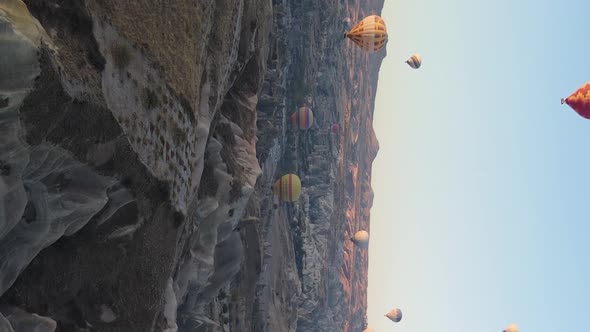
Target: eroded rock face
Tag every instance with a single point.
(104, 132)
(45, 192)
(13, 319)
(139, 146)
(62, 195)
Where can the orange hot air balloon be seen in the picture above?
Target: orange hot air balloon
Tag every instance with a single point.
(370, 33)
(303, 118)
(580, 100)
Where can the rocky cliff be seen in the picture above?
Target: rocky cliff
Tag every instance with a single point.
(139, 142)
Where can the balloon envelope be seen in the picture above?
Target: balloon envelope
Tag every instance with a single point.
(394, 314)
(369, 329)
(415, 61)
(335, 128)
(370, 34)
(288, 188)
(579, 101)
(511, 328)
(361, 239)
(303, 118)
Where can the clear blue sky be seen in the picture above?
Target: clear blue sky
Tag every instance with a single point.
(481, 214)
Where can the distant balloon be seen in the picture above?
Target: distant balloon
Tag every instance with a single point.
(361, 239)
(579, 101)
(394, 314)
(415, 61)
(288, 188)
(335, 128)
(302, 117)
(370, 33)
(369, 329)
(511, 328)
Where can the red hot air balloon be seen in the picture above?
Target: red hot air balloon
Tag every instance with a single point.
(335, 128)
(302, 117)
(580, 100)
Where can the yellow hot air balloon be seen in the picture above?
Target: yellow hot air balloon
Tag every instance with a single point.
(370, 33)
(511, 328)
(361, 239)
(394, 314)
(288, 188)
(415, 61)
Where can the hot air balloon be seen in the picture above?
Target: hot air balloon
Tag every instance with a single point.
(302, 117)
(361, 239)
(369, 329)
(335, 128)
(415, 61)
(511, 328)
(370, 33)
(288, 188)
(580, 100)
(394, 314)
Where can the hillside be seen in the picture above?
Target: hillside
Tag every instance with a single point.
(139, 146)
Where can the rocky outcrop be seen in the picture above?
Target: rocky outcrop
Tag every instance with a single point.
(110, 119)
(13, 319)
(139, 146)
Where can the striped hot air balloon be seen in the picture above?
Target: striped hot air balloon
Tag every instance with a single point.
(302, 118)
(580, 100)
(415, 61)
(288, 188)
(370, 33)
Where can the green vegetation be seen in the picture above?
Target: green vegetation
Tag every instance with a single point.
(177, 219)
(5, 168)
(297, 87)
(221, 296)
(298, 248)
(234, 295)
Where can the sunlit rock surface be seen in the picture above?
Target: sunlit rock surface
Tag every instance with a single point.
(139, 145)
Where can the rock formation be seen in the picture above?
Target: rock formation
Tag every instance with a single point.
(138, 146)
